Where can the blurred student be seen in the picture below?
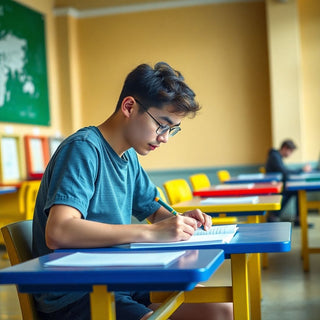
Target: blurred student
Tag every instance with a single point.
(94, 184)
(275, 163)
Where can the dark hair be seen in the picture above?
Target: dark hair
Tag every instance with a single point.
(289, 144)
(159, 86)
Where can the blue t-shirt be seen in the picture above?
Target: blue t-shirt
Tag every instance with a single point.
(87, 174)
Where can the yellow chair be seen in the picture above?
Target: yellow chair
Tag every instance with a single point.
(18, 240)
(223, 175)
(162, 195)
(199, 181)
(30, 198)
(177, 190)
(262, 169)
(18, 205)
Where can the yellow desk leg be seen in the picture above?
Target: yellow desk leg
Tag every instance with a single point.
(102, 304)
(239, 270)
(255, 292)
(303, 212)
(169, 306)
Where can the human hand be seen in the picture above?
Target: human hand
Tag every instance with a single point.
(201, 218)
(175, 228)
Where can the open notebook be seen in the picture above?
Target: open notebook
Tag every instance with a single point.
(217, 234)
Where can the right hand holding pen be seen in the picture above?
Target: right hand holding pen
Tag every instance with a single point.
(175, 228)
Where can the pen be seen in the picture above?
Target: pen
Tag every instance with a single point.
(165, 205)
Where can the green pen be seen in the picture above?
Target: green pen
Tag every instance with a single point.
(165, 205)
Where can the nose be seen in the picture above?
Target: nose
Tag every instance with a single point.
(163, 137)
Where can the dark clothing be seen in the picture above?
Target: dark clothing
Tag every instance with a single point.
(275, 164)
(129, 305)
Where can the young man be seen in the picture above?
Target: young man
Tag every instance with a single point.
(275, 163)
(94, 184)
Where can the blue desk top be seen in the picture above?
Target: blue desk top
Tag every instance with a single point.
(255, 178)
(250, 238)
(8, 189)
(183, 274)
(303, 185)
(310, 176)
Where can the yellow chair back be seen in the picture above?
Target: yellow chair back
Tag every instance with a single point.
(262, 169)
(199, 181)
(223, 175)
(27, 197)
(18, 240)
(177, 190)
(162, 195)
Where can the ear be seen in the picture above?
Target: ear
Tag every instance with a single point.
(127, 106)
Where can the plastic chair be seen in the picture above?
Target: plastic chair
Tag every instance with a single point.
(262, 169)
(30, 198)
(177, 190)
(162, 195)
(18, 240)
(199, 181)
(223, 175)
(19, 205)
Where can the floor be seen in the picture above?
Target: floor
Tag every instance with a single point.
(288, 292)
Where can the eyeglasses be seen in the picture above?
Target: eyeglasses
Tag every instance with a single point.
(163, 128)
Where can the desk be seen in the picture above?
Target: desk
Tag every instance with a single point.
(265, 203)
(243, 249)
(310, 176)
(302, 187)
(8, 189)
(255, 178)
(183, 274)
(240, 189)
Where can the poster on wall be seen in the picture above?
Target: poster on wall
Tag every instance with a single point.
(24, 94)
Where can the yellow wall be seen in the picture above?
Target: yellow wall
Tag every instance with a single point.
(309, 14)
(220, 49)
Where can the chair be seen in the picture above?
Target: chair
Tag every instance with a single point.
(30, 198)
(177, 190)
(18, 240)
(262, 169)
(199, 181)
(223, 175)
(162, 195)
(19, 205)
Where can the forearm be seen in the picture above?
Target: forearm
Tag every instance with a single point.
(159, 215)
(70, 231)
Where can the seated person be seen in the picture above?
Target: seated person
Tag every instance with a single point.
(94, 184)
(275, 163)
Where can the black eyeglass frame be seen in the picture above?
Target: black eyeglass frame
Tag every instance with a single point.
(163, 128)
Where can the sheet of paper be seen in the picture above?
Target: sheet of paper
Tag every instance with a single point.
(217, 234)
(251, 176)
(85, 259)
(230, 200)
(232, 186)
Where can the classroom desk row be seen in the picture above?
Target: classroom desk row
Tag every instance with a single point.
(301, 184)
(196, 265)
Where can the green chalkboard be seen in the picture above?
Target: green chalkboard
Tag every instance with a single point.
(23, 67)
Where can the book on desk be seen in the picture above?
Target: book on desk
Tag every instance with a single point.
(216, 234)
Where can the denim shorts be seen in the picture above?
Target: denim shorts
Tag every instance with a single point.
(129, 306)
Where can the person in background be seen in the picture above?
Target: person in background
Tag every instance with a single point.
(94, 184)
(275, 163)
